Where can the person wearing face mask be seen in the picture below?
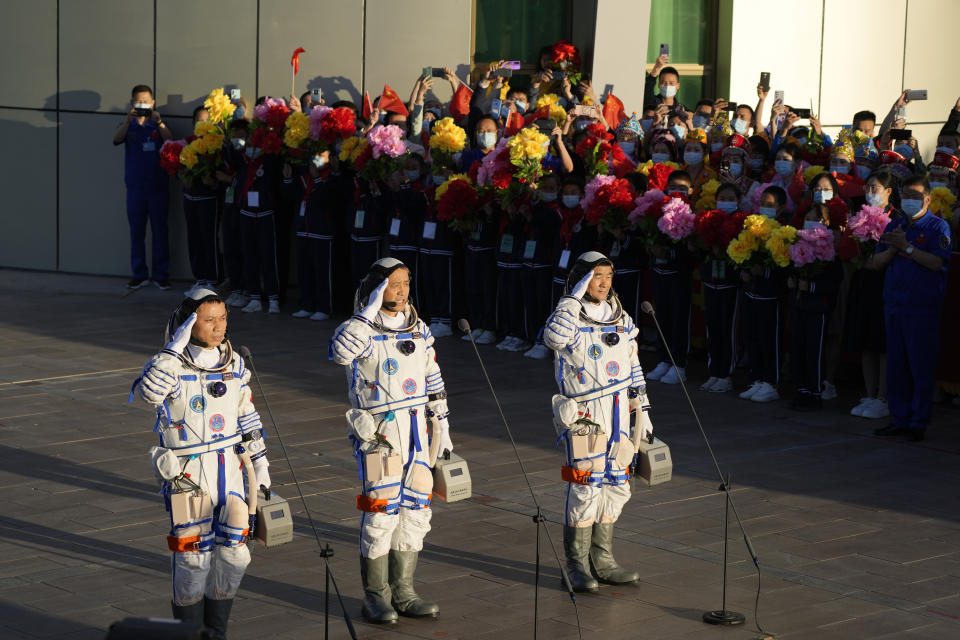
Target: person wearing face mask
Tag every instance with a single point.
(743, 120)
(540, 233)
(409, 206)
(695, 151)
(721, 296)
(574, 237)
(943, 171)
(438, 248)
(662, 147)
(761, 312)
(865, 327)
(231, 175)
(667, 78)
(630, 137)
(811, 301)
(759, 157)
(702, 115)
(314, 190)
(670, 282)
(865, 158)
(735, 164)
(786, 174)
(915, 249)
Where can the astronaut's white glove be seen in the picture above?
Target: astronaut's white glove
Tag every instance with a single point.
(565, 412)
(166, 466)
(645, 424)
(374, 302)
(361, 424)
(443, 433)
(182, 335)
(261, 470)
(581, 287)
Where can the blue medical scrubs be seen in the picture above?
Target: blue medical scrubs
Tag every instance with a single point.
(147, 198)
(912, 300)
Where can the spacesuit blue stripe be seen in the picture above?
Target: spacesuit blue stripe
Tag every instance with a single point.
(192, 524)
(384, 486)
(414, 428)
(133, 388)
(599, 455)
(221, 480)
(189, 376)
(214, 376)
(616, 417)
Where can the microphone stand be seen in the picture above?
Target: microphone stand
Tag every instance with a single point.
(721, 616)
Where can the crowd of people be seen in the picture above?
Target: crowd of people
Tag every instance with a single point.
(841, 245)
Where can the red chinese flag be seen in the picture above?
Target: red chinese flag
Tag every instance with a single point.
(367, 106)
(514, 124)
(613, 111)
(390, 101)
(295, 60)
(460, 102)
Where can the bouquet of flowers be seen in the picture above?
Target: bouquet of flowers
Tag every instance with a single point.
(749, 247)
(296, 132)
(716, 228)
(330, 126)
(513, 168)
(708, 194)
(657, 174)
(446, 140)
(813, 249)
(866, 226)
(566, 57)
(601, 155)
(646, 214)
(386, 146)
(170, 156)
(355, 153)
(458, 203)
(941, 203)
(548, 107)
(219, 107)
(272, 113)
(677, 221)
(267, 127)
(201, 157)
(779, 243)
(608, 201)
(527, 150)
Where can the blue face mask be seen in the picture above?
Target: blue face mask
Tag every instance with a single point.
(728, 206)
(936, 184)
(863, 171)
(756, 163)
(521, 106)
(627, 145)
(679, 131)
(660, 157)
(427, 124)
(699, 122)
(783, 167)
(646, 123)
(821, 197)
(911, 206)
(770, 212)
(875, 199)
(486, 139)
(740, 126)
(736, 169)
(571, 201)
(905, 150)
(548, 196)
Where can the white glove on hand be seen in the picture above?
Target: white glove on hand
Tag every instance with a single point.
(261, 470)
(361, 424)
(182, 335)
(646, 426)
(374, 302)
(581, 287)
(565, 411)
(443, 433)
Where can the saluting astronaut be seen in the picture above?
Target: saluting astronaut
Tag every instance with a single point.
(206, 423)
(601, 388)
(395, 389)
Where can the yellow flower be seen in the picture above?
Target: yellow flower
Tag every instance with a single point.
(528, 144)
(547, 98)
(210, 143)
(760, 226)
(205, 128)
(708, 195)
(740, 248)
(778, 244)
(447, 136)
(442, 189)
(219, 106)
(810, 172)
(188, 155)
(941, 203)
(645, 167)
(352, 148)
(296, 129)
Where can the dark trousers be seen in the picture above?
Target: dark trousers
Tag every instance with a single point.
(409, 258)
(722, 307)
(260, 256)
(912, 344)
(201, 217)
(627, 286)
(362, 256)
(284, 233)
(537, 295)
(314, 271)
(480, 287)
(809, 332)
(143, 206)
(233, 248)
(509, 300)
(761, 335)
(671, 300)
(436, 283)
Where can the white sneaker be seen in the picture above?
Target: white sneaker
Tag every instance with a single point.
(475, 334)
(875, 409)
(672, 377)
(748, 394)
(440, 329)
(196, 285)
(274, 306)
(239, 300)
(658, 372)
(252, 306)
(538, 352)
(520, 345)
(712, 380)
(766, 393)
(303, 313)
(722, 385)
(829, 391)
(858, 410)
(319, 315)
(506, 343)
(487, 337)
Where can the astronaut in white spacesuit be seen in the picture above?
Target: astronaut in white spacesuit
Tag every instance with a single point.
(395, 389)
(602, 392)
(206, 423)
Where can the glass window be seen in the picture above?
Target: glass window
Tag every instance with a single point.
(511, 30)
(687, 26)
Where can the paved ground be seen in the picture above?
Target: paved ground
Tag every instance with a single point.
(858, 537)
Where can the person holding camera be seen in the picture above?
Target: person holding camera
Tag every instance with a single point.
(142, 133)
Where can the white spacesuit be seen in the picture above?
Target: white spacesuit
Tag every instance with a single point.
(395, 389)
(206, 422)
(601, 388)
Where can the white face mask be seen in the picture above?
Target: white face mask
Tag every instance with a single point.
(627, 146)
(770, 212)
(740, 126)
(319, 161)
(911, 206)
(486, 139)
(822, 196)
(668, 90)
(936, 184)
(660, 157)
(411, 174)
(864, 171)
(439, 180)
(237, 143)
(521, 106)
(571, 201)
(728, 206)
(548, 196)
(736, 169)
(142, 105)
(693, 158)
(875, 199)
(811, 224)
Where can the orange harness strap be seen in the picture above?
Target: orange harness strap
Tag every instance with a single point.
(577, 476)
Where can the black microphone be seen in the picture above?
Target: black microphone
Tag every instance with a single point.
(243, 351)
(464, 325)
(646, 307)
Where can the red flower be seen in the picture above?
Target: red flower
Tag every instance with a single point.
(269, 141)
(338, 124)
(658, 176)
(170, 157)
(473, 170)
(277, 116)
(365, 156)
(565, 51)
(502, 178)
(611, 204)
(733, 226)
(459, 199)
(838, 213)
(847, 248)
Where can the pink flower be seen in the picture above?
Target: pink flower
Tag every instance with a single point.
(260, 111)
(755, 194)
(590, 191)
(820, 241)
(644, 202)
(317, 114)
(491, 163)
(677, 220)
(387, 140)
(868, 224)
(801, 253)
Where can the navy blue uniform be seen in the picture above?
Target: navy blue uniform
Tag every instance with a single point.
(575, 238)
(538, 260)
(367, 218)
(913, 299)
(409, 209)
(437, 244)
(671, 283)
(315, 226)
(147, 200)
(809, 312)
(481, 273)
(761, 325)
(628, 257)
(509, 267)
(200, 211)
(721, 297)
(257, 202)
(232, 239)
